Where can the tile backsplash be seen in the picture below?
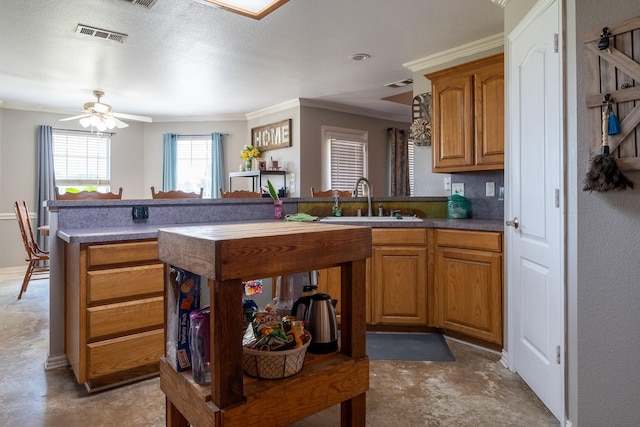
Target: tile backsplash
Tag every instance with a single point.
(482, 207)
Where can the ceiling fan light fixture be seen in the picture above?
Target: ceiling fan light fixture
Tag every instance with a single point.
(85, 122)
(110, 123)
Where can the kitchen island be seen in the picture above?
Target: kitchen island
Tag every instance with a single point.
(228, 254)
(80, 227)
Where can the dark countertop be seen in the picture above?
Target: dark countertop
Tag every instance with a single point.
(150, 231)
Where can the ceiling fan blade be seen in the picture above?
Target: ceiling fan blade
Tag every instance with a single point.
(132, 117)
(74, 117)
(119, 123)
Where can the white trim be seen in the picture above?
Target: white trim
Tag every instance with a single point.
(12, 270)
(314, 103)
(501, 3)
(504, 360)
(447, 337)
(305, 102)
(12, 216)
(536, 10)
(56, 361)
(293, 103)
(444, 57)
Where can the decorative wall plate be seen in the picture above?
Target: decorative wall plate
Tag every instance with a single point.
(421, 124)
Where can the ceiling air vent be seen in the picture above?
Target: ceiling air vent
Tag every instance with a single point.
(146, 3)
(400, 83)
(101, 34)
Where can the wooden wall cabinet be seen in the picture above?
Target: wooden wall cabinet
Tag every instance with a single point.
(399, 276)
(468, 116)
(468, 283)
(114, 311)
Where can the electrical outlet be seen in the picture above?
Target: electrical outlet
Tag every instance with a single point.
(447, 183)
(457, 188)
(490, 189)
(140, 212)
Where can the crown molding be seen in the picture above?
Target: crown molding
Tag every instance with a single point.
(294, 103)
(501, 3)
(350, 109)
(444, 57)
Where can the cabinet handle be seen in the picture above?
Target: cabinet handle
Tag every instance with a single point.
(515, 223)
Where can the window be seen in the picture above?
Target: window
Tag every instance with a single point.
(345, 154)
(411, 168)
(82, 160)
(193, 165)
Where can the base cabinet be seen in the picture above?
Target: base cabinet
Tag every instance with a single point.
(468, 283)
(114, 311)
(399, 276)
(396, 278)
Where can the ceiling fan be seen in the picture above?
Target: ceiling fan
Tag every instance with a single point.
(100, 115)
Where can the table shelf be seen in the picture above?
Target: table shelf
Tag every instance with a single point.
(219, 253)
(257, 178)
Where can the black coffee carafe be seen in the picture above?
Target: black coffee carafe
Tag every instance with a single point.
(320, 318)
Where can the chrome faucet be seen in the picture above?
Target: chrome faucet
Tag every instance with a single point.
(369, 192)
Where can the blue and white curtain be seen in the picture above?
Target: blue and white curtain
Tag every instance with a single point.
(217, 165)
(46, 180)
(170, 161)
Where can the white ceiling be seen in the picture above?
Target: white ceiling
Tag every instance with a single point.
(184, 59)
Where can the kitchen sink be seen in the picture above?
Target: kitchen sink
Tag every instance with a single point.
(369, 219)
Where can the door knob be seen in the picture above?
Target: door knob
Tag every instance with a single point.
(515, 223)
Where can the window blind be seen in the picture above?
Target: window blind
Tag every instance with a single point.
(411, 160)
(81, 159)
(348, 163)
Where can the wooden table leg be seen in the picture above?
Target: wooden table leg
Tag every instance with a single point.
(353, 412)
(353, 334)
(174, 417)
(226, 335)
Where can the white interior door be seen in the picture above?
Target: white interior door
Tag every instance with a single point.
(534, 246)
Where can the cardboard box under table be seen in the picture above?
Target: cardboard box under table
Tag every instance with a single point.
(228, 254)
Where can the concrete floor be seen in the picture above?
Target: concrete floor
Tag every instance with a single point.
(475, 390)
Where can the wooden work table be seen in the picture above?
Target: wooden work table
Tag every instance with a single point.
(228, 254)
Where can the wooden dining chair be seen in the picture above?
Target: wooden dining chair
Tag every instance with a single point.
(34, 253)
(329, 193)
(87, 195)
(239, 194)
(175, 194)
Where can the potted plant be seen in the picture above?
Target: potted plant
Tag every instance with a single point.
(277, 203)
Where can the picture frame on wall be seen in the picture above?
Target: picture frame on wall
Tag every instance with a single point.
(272, 136)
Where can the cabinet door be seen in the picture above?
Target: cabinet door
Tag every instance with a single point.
(399, 282)
(469, 292)
(329, 283)
(452, 122)
(489, 117)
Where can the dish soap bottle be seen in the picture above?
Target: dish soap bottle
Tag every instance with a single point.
(336, 210)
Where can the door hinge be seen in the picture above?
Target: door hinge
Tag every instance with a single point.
(557, 197)
(555, 43)
(557, 354)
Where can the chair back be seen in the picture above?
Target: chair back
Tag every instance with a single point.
(329, 193)
(175, 194)
(239, 194)
(26, 230)
(34, 253)
(87, 195)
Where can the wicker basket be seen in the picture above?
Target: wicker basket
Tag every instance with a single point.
(271, 365)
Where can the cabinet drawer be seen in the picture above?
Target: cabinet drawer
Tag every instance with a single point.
(399, 236)
(121, 253)
(126, 282)
(484, 240)
(114, 319)
(120, 354)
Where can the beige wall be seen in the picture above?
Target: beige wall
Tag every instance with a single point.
(152, 162)
(314, 118)
(136, 156)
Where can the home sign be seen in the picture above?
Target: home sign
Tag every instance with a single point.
(272, 136)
